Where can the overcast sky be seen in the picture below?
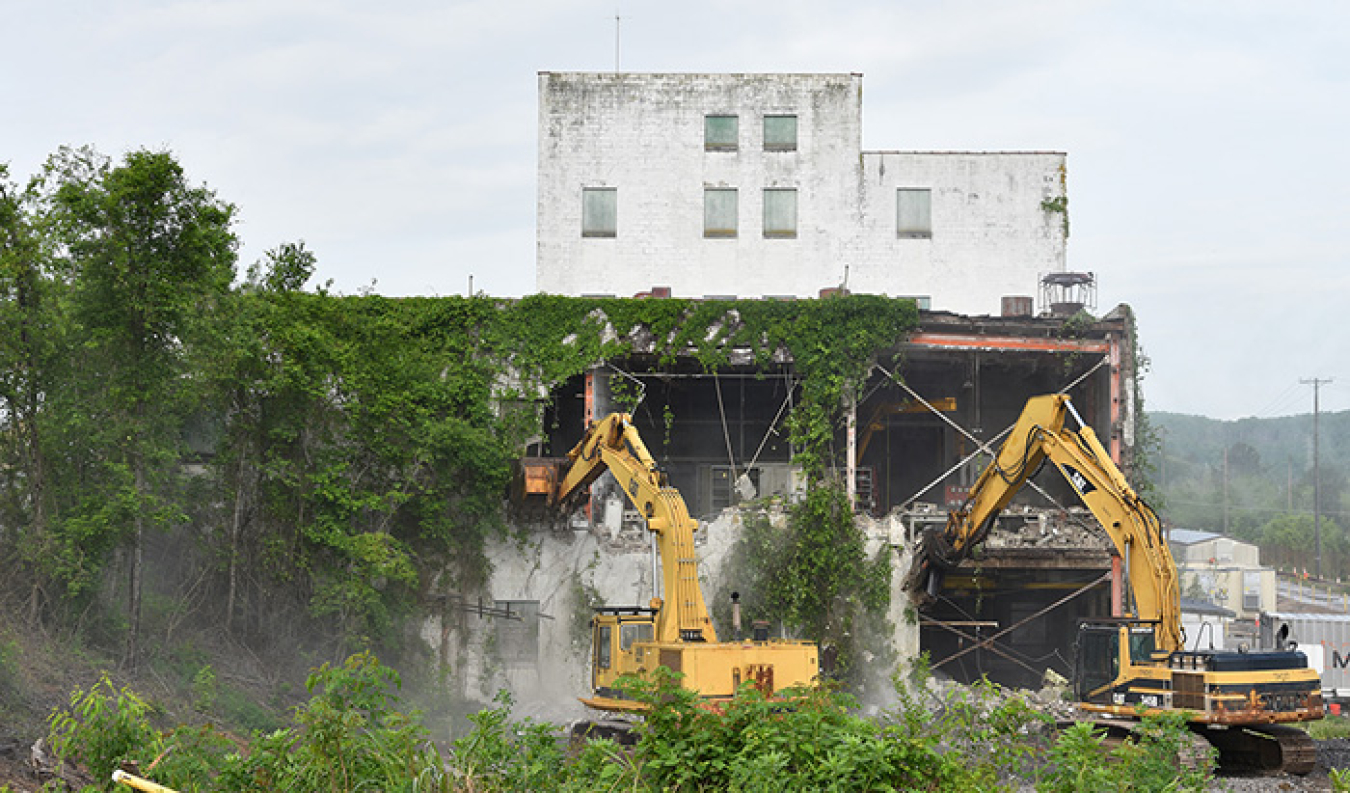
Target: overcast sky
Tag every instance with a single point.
(1208, 142)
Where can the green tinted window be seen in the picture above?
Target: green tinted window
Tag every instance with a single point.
(720, 132)
(720, 210)
(599, 212)
(780, 213)
(780, 133)
(914, 212)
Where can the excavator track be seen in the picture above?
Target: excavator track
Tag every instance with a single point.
(1260, 749)
(1194, 754)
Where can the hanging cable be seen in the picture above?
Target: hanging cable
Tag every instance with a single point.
(787, 400)
(726, 433)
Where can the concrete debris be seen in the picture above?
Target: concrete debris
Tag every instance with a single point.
(1072, 528)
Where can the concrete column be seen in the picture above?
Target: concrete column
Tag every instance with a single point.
(1117, 403)
(596, 406)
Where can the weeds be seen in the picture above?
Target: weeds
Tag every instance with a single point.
(1332, 726)
(1340, 779)
(1153, 759)
(351, 736)
(103, 727)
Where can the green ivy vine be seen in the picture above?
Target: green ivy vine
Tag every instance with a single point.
(832, 343)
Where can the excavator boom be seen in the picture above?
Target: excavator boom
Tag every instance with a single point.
(613, 445)
(674, 631)
(1239, 701)
(1040, 435)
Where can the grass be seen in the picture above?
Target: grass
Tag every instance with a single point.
(1330, 727)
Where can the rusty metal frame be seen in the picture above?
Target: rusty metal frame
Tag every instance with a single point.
(981, 446)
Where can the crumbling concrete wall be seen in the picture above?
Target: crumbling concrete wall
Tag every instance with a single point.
(606, 561)
(991, 233)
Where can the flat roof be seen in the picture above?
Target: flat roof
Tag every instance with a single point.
(1191, 536)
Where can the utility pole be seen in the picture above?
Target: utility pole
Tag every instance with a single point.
(1317, 384)
(1289, 486)
(1225, 489)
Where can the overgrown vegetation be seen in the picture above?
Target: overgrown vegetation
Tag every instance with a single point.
(300, 471)
(809, 569)
(352, 735)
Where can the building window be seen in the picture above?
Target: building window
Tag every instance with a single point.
(914, 212)
(780, 133)
(721, 133)
(719, 212)
(780, 213)
(599, 212)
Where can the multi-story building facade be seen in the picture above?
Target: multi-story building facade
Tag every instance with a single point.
(719, 185)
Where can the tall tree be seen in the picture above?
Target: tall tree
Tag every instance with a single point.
(150, 258)
(27, 345)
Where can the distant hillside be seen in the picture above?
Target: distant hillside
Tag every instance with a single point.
(1264, 493)
(1278, 442)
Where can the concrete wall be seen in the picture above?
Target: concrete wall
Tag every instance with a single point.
(1222, 551)
(991, 236)
(610, 558)
(643, 135)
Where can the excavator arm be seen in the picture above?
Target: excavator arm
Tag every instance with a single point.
(612, 444)
(1041, 434)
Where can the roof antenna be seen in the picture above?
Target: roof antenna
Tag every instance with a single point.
(616, 38)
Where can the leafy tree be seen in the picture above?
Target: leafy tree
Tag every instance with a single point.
(149, 257)
(1243, 460)
(28, 356)
(815, 575)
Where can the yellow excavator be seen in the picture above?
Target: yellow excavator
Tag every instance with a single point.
(674, 629)
(1241, 702)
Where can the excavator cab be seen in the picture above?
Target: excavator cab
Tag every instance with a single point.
(1104, 649)
(615, 634)
(1097, 660)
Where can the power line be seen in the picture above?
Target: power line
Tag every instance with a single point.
(1278, 402)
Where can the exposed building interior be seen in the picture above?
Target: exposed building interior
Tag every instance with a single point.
(913, 444)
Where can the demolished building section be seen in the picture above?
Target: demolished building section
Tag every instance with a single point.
(912, 444)
(726, 185)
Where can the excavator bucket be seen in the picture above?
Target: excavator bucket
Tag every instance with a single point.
(924, 577)
(534, 483)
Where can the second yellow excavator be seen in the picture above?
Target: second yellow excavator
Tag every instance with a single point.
(674, 629)
(1239, 701)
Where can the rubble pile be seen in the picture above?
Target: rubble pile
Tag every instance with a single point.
(1028, 527)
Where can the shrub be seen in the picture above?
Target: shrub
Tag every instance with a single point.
(810, 740)
(103, 727)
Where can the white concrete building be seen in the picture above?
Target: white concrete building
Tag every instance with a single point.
(719, 185)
